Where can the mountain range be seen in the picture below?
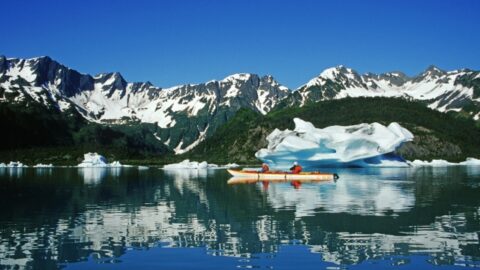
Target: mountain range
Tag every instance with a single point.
(186, 115)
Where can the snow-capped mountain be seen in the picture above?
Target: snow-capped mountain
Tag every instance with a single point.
(441, 90)
(186, 114)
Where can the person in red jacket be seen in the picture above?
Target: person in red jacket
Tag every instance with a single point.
(296, 169)
(265, 168)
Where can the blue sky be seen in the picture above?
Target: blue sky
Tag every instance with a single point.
(176, 42)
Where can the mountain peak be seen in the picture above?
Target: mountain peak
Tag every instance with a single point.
(238, 77)
(433, 70)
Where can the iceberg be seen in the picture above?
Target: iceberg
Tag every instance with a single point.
(194, 165)
(362, 145)
(41, 165)
(443, 163)
(433, 163)
(470, 162)
(187, 164)
(94, 160)
(230, 165)
(13, 164)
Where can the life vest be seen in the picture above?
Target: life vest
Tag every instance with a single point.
(296, 169)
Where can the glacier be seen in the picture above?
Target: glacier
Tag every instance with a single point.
(362, 145)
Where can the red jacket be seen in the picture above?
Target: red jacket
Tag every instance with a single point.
(296, 169)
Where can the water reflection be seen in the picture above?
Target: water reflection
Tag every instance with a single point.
(366, 214)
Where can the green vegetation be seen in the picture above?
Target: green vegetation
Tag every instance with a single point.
(437, 135)
(33, 134)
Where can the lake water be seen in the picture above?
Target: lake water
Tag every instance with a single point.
(424, 218)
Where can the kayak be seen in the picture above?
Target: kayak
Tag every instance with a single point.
(241, 180)
(283, 175)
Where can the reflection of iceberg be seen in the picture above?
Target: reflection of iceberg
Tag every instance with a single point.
(360, 145)
(187, 174)
(93, 175)
(353, 193)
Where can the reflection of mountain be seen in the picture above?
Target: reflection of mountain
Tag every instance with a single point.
(57, 217)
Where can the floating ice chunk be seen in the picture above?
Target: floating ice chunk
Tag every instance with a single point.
(41, 165)
(14, 164)
(230, 165)
(143, 167)
(471, 162)
(443, 163)
(187, 164)
(360, 145)
(115, 164)
(94, 160)
(433, 163)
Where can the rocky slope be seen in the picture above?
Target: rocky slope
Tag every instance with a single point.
(185, 114)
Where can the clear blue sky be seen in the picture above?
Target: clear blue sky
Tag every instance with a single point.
(179, 41)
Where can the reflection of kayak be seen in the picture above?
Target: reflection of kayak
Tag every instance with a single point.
(241, 180)
(283, 175)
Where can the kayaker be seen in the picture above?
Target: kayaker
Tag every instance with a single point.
(296, 169)
(265, 168)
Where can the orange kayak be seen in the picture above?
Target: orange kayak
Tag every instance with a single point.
(283, 175)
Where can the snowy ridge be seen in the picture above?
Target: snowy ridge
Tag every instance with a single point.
(109, 98)
(440, 90)
(199, 109)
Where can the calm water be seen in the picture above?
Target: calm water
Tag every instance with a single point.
(425, 218)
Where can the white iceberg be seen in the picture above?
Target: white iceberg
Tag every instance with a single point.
(41, 165)
(362, 145)
(230, 165)
(187, 164)
(13, 164)
(471, 162)
(443, 163)
(194, 165)
(433, 163)
(94, 160)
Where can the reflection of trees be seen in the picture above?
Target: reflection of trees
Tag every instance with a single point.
(142, 208)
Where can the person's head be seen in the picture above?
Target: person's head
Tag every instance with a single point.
(264, 164)
(295, 163)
